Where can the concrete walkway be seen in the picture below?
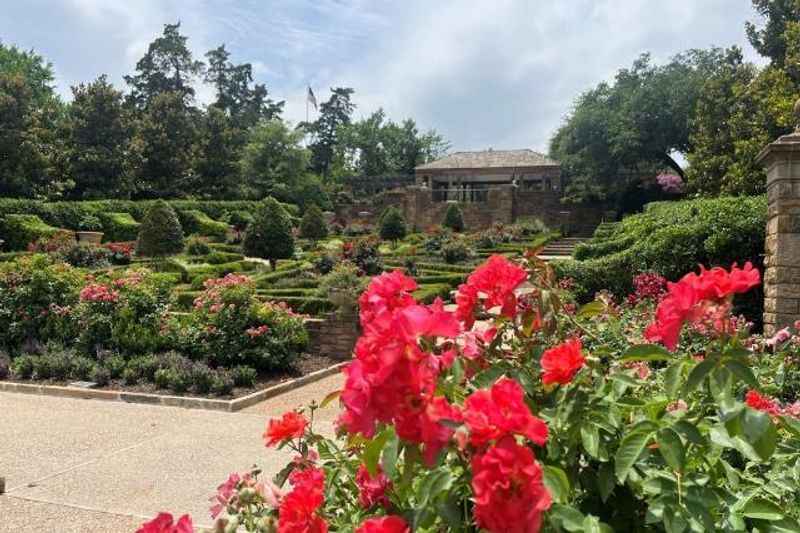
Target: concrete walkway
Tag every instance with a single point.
(96, 466)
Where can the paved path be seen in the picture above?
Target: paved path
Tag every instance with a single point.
(96, 466)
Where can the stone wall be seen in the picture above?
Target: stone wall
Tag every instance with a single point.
(333, 335)
(782, 260)
(504, 203)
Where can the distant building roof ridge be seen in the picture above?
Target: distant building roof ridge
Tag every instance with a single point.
(491, 158)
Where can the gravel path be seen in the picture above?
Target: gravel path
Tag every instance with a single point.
(95, 466)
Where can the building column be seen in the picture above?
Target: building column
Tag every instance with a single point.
(781, 159)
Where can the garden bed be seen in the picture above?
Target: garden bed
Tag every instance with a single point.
(307, 369)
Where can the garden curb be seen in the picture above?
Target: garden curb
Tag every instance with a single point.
(187, 402)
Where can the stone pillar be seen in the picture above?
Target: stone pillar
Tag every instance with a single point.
(781, 159)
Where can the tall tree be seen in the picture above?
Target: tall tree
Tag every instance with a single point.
(775, 37)
(25, 162)
(164, 145)
(619, 131)
(37, 73)
(30, 115)
(217, 161)
(333, 113)
(98, 132)
(167, 67)
(374, 146)
(246, 103)
(714, 140)
(273, 160)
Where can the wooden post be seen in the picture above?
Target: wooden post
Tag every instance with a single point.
(2, 485)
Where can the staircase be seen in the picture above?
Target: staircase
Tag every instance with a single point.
(560, 248)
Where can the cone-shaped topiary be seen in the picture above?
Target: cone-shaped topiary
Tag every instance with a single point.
(313, 225)
(453, 218)
(393, 225)
(160, 233)
(269, 236)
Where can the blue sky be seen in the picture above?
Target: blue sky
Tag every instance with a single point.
(491, 73)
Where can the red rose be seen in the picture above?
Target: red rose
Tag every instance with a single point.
(290, 426)
(690, 299)
(372, 489)
(509, 494)
(384, 524)
(561, 363)
(497, 279)
(759, 402)
(298, 511)
(500, 411)
(163, 523)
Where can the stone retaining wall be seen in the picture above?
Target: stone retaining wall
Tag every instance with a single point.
(334, 335)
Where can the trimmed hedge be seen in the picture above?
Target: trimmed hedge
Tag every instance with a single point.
(670, 238)
(119, 227)
(69, 214)
(195, 221)
(428, 293)
(303, 304)
(20, 230)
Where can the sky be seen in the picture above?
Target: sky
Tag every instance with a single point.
(491, 73)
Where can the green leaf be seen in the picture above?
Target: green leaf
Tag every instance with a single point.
(672, 378)
(742, 371)
(557, 483)
(689, 432)
(435, 483)
(760, 433)
(605, 480)
(390, 453)
(671, 449)
(630, 448)
(591, 309)
(329, 398)
(647, 352)
(762, 509)
(590, 437)
(591, 524)
(567, 517)
(698, 374)
(372, 452)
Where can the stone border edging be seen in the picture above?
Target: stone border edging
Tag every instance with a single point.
(187, 402)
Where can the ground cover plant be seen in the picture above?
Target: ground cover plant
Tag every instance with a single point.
(518, 412)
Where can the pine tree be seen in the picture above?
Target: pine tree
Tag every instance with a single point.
(453, 218)
(269, 236)
(161, 233)
(313, 225)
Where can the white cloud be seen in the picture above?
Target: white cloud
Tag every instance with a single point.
(500, 73)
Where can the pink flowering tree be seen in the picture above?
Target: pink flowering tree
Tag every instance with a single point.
(516, 413)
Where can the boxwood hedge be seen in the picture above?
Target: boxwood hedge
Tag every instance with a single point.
(671, 238)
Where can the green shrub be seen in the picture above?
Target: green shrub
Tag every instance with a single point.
(455, 251)
(23, 366)
(119, 227)
(160, 233)
(82, 368)
(115, 365)
(244, 376)
(269, 236)
(223, 383)
(163, 377)
(143, 368)
(18, 231)
(392, 225)
(218, 258)
(307, 305)
(453, 218)
(671, 239)
(86, 256)
(313, 225)
(195, 221)
(240, 219)
(90, 223)
(100, 375)
(196, 245)
(130, 376)
(31, 288)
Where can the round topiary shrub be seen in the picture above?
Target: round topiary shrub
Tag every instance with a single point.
(453, 218)
(269, 236)
(161, 233)
(313, 225)
(393, 225)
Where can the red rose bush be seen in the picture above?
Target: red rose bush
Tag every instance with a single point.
(516, 411)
